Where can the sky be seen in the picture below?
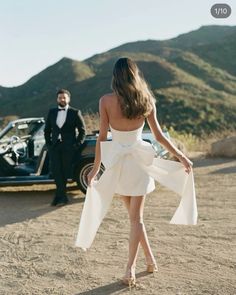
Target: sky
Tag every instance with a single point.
(36, 34)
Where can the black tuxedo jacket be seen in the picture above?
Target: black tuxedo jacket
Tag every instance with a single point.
(72, 132)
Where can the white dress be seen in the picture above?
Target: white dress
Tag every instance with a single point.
(130, 170)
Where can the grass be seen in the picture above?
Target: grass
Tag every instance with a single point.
(91, 121)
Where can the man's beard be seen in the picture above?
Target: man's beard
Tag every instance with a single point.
(62, 105)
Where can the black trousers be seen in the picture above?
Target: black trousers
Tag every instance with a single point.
(61, 162)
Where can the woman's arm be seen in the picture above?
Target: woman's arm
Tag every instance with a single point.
(158, 134)
(103, 129)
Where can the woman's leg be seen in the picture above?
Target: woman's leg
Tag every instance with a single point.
(136, 228)
(143, 237)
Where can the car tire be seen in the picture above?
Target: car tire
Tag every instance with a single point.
(82, 172)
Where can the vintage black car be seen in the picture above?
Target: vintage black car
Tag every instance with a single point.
(24, 158)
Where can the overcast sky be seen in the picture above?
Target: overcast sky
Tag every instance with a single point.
(35, 34)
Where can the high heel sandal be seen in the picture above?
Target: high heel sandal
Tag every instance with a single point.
(152, 268)
(129, 279)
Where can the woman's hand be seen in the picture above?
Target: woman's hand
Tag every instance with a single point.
(92, 174)
(186, 162)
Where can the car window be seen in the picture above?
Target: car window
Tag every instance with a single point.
(160, 150)
(39, 131)
(15, 131)
(22, 130)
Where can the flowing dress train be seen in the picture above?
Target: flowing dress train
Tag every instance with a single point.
(130, 169)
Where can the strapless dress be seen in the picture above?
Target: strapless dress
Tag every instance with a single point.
(130, 169)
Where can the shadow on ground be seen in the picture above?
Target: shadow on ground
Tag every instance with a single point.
(113, 287)
(226, 170)
(211, 162)
(18, 206)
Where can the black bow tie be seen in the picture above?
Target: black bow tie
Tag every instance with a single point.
(61, 110)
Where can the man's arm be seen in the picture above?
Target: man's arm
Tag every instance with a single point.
(48, 130)
(81, 128)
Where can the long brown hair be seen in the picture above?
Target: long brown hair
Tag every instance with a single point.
(136, 99)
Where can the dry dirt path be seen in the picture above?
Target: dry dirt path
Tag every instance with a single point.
(37, 253)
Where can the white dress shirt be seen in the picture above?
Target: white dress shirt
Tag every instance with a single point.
(61, 117)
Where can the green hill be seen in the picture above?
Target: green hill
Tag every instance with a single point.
(193, 77)
(220, 54)
(38, 93)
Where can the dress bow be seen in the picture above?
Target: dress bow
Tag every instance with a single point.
(112, 152)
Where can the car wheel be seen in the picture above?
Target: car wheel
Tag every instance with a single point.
(82, 172)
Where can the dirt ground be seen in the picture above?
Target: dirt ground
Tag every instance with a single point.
(37, 253)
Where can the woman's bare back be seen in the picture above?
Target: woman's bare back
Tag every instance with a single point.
(115, 117)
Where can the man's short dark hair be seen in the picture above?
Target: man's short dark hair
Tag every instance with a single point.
(63, 91)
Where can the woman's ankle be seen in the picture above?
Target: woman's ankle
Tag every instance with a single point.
(150, 260)
(130, 266)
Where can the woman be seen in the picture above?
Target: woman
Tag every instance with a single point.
(129, 161)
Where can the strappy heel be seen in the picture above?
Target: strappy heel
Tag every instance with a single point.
(131, 282)
(152, 268)
(129, 279)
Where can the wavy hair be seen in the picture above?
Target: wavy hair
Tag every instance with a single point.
(136, 99)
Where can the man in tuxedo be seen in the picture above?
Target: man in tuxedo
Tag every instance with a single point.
(64, 132)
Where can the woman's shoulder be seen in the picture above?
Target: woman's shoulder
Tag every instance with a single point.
(108, 99)
(108, 96)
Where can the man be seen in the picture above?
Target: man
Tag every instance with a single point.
(64, 132)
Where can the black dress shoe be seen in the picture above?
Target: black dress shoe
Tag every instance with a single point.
(54, 201)
(62, 202)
